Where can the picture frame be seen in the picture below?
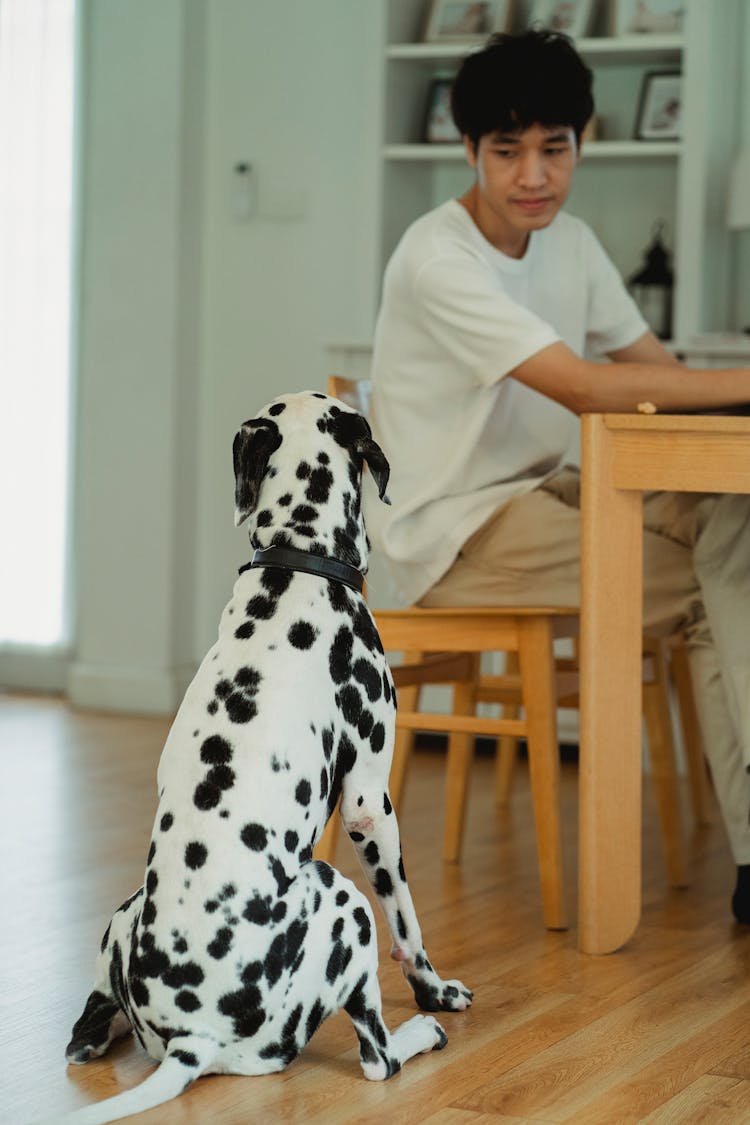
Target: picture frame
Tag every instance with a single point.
(462, 21)
(659, 116)
(572, 17)
(646, 17)
(439, 128)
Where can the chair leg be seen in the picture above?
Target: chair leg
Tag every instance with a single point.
(539, 695)
(507, 746)
(691, 736)
(460, 758)
(325, 848)
(661, 749)
(408, 699)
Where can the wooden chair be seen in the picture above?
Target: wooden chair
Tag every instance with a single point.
(444, 646)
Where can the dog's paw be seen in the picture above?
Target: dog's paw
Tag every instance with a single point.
(441, 1039)
(441, 995)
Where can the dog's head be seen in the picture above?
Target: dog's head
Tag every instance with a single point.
(298, 470)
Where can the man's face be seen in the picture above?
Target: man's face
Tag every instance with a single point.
(523, 179)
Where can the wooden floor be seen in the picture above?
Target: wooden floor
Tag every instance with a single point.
(659, 1032)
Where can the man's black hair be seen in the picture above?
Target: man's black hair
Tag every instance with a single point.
(534, 78)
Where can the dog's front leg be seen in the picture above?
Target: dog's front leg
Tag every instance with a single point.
(371, 822)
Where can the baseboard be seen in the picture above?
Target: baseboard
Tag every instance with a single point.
(133, 690)
(41, 670)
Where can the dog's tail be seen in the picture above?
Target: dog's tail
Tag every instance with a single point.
(186, 1059)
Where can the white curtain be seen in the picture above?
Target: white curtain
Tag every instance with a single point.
(36, 171)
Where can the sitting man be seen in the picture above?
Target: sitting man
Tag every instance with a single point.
(490, 305)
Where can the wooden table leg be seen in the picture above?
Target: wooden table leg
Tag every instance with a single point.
(610, 718)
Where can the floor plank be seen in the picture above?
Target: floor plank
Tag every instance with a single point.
(657, 1032)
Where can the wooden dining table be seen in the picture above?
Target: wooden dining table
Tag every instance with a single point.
(622, 456)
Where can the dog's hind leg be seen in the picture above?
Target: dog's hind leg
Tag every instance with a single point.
(103, 1018)
(101, 1022)
(382, 1052)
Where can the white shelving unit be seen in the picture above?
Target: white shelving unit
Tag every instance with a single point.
(623, 185)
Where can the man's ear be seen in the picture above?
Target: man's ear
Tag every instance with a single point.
(253, 445)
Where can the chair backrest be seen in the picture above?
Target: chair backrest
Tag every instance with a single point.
(354, 392)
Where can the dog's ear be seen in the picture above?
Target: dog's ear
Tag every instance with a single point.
(353, 432)
(377, 463)
(253, 445)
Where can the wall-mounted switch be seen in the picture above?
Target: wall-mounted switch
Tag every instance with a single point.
(243, 193)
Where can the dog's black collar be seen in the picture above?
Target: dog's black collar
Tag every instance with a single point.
(289, 558)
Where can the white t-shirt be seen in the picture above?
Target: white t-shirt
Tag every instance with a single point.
(456, 316)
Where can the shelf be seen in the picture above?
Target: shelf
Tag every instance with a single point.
(594, 150)
(631, 48)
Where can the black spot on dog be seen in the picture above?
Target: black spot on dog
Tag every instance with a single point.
(302, 635)
(304, 513)
(338, 962)
(325, 873)
(319, 485)
(264, 518)
(138, 991)
(260, 607)
(303, 470)
(245, 631)
(177, 976)
(365, 724)
(383, 884)
(221, 943)
(315, 1018)
(303, 792)
(152, 882)
(350, 702)
(276, 580)
(363, 922)
(377, 738)
(216, 751)
(283, 881)
(342, 897)
(166, 822)
(245, 1008)
(387, 806)
(255, 837)
(340, 656)
(196, 855)
(277, 408)
(372, 855)
(151, 853)
(258, 910)
(291, 840)
(187, 1000)
(187, 1058)
(367, 675)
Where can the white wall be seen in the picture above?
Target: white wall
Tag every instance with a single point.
(189, 320)
(291, 89)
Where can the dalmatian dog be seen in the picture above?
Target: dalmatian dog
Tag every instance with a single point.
(239, 944)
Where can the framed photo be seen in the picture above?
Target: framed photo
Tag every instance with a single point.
(646, 17)
(573, 17)
(660, 108)
(438, 125)
(455, 21)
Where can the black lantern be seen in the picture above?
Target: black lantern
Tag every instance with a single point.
(652, 286)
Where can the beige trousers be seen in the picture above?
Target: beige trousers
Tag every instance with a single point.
(696, 578)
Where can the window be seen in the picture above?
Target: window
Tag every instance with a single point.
(36, 173)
